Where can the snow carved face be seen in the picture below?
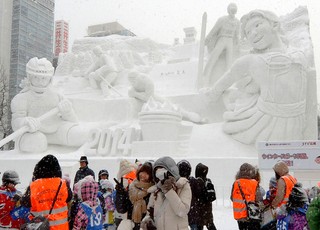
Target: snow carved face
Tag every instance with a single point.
(260, 33)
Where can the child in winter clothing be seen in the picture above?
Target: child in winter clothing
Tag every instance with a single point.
(138, 194)
(89, 215)
(9, 196)
(107, 190)
(313, 214)
(269, 222)
(294, 217)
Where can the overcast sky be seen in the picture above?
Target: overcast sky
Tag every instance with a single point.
(164, 20)
(160, 20)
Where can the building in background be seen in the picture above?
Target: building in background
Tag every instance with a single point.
(61, 37)
(191, 34)
(31, 36)
(5, 34)
(106, 29)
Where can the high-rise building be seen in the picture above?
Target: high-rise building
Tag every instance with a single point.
(31, 36)
(61, 37)
(107, 29)
(5, 34)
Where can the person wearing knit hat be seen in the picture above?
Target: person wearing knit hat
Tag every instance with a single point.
(84, 170)
(9, 199)
(42, 190)
(138, 193)
(285, 183)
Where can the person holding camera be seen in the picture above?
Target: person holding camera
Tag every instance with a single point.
(170, 198)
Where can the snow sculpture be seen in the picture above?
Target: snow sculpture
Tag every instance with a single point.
(163, 117)
(269, 103)
(223, 37)
(142, 88)
(35, 100)
(102, 72)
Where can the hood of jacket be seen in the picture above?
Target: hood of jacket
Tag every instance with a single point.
(201, 171)
(89, 189)
(246, 171)
(281, 168)
(47, 167)
(169, 164)
(184, 168)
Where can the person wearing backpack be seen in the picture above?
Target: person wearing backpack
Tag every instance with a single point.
(293, 216)
(210, 196)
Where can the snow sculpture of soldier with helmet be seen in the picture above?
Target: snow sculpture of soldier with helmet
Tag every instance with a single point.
(34, 101)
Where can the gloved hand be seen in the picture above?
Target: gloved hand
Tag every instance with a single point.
(34, 124)
(65, 106)
(119, 185)
(148, 224)
(168, 184)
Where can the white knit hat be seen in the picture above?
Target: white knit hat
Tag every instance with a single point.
(126, 167)
(106, 184)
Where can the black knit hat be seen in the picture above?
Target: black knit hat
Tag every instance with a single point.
(83, 159)
(47, 167)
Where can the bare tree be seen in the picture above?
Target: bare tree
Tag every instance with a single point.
(5, 127)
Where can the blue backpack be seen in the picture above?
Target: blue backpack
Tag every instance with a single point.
(95, 218)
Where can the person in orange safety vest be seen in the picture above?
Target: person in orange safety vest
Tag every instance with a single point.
(40, 194)
(249, 187)
(285, 183)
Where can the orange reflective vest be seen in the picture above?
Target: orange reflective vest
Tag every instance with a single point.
(290, 181)
(249, 188)
(42, 193)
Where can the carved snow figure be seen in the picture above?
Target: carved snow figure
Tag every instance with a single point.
(142, 89)
(35, 100)
(102, 71)
(270, 101)
(223, 37)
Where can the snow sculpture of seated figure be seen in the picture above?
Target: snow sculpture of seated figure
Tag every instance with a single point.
(102, 72)
(270, 104)
(142, 88)
(36, 99)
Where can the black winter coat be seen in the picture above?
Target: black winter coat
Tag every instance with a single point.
(195, 214)
(201, 173)
(82, 173)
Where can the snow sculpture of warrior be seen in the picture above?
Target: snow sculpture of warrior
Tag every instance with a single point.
(35, 100)
(270, 101)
